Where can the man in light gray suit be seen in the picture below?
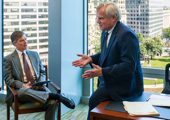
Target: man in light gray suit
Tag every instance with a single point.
(16, 76)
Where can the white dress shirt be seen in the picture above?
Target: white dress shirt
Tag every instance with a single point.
(109, 35)
(29, 64)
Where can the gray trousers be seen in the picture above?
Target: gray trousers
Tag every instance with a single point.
(29, 95)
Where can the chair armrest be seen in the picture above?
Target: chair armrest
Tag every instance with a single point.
(14, 92)
(55, 87)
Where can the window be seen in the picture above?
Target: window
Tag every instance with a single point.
(11, 10)
(31, 35)
(43, 53)
(11, 16)
(29, 29)
(11, 3)
(43, 4)
(10, 29)
(42, 10)
(6, 36)
(32, 47)
(28, 4)
(43, 34)
(149, 23)
(7, 43)
(7, 23)
(31, 41)
(28, 16)
(43, 40)
(28, 10)
(43, 22)
(42, 16)
(43, 28)
(43, 46)
(24, 16)
(28, 23)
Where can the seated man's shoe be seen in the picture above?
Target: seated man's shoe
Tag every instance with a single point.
(68, 102)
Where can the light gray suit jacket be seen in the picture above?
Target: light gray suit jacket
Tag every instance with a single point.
(13, 74)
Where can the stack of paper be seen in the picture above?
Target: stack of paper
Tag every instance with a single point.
(140, 109)
(159, 100)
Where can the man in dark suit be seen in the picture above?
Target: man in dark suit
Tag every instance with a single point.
(23, 68)
(118, 65)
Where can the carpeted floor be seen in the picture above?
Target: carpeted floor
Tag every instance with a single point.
(79, 113)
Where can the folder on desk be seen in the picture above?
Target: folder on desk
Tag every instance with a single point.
(140, 109)
(159, 100)
(118, 106)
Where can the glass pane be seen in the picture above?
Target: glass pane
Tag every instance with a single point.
(11, 3)
(28, 28)
(9, 10)
(42, 3)
(42, 16)
(42, 10)
(43, 40)
(28, 23)
(28, 10)
(27, 17)
(147, 19)
(28, 3)
(153, 85)
(43, 28)
(11, 16)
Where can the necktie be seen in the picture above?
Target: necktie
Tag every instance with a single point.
(27, 70)
(103, 51)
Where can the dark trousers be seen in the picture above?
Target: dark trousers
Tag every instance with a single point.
(100, 95)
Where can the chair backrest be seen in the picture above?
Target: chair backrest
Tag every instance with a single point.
(46, 72)
(166, 89)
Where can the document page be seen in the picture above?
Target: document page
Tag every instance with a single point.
(140, 109)
(159, 100)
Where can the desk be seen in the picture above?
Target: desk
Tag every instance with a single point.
(98, 113)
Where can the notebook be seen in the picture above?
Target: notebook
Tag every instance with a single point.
(40, 83)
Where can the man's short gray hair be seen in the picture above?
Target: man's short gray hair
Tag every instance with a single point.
(111, 9)
(16, 35)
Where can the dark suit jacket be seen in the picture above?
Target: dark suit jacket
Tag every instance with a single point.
(13, 74)
(121, 68)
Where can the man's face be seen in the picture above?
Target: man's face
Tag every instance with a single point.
(105, 22)
(21, 44)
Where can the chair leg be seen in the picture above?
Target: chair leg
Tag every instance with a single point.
(16, 115)
(8, 112)
(59, 111)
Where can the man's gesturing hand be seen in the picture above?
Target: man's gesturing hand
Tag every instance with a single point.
(83, 61)
(93, 73)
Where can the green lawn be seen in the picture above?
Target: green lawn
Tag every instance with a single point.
(150, 82)
(158, 61)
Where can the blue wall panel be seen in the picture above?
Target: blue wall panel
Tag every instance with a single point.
(72, 43)
(65, 41)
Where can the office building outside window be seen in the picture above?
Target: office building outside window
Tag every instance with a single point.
(32, 18)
